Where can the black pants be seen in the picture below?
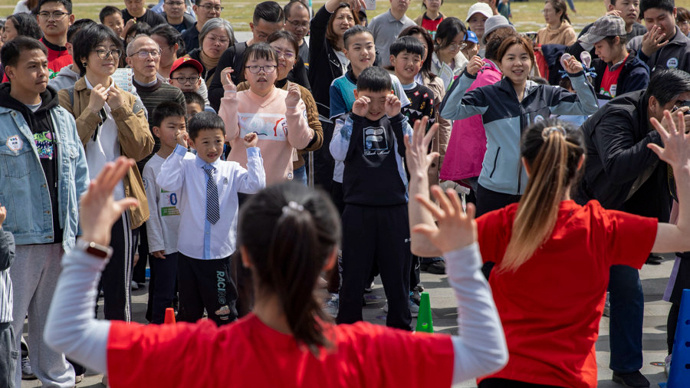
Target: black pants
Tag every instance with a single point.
(381, 235)
(505, 383)
(489, 200)
(206, 284)
(161, 287)
(117, 275)
(323, 161)
(139, 271)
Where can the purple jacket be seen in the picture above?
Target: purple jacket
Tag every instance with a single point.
(467, 144)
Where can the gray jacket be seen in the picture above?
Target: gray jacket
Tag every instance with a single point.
(66, 78)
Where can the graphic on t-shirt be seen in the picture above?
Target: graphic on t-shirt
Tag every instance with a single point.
(44, 144)
(268, 126)
(375, 141)
(168, 204)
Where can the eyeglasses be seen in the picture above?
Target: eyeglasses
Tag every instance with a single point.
(183, 80)
(457, 46)
(104, 54)
(268, 69)
(298, 24)
(214, 38)
(56, 15)
(211, 7)
(144, 54)
(285, 54)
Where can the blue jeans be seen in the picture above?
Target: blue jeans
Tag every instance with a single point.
(300, 175)
(627, 313)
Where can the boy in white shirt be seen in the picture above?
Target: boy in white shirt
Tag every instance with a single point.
(168, 121)
(208, 188)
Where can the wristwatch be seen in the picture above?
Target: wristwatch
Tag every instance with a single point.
(93, 249)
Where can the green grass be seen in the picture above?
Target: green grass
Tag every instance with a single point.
(526, 15)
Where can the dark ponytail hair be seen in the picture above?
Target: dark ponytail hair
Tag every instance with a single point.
(289, 231)
(552, 149)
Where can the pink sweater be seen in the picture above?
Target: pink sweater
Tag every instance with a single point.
(281, 129)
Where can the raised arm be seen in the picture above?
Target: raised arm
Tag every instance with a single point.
(676, 153)
(480, 347)
(583, 102)
(171, 177)
(228, 107)
(299, 134)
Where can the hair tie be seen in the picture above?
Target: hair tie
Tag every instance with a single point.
(547, 131)
(292, 206)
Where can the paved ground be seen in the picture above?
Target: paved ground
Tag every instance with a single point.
(654, 280)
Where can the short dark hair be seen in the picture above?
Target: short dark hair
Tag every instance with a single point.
(139, 28)
(292, 3)
(406, 44)
(666, 5)
(194, 98)
(354, 30)
(76, 27)
(269, 11)
(171, 36)
(66, 3)
(166, 109)
(9, 55)
(26, 25)
(259, 51)
(426, 66)
(682, 15)
(204, 121)
(667, 84)
(108, 10)
(88, 38)
(374, 79)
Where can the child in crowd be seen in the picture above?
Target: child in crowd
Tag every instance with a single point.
(185, 74)
(369, 141)
(8, 357)
(470, 46)
(278, 117)
(194, 103)
(168, 120)
(111, 17)
(208, 187)
(432, 16)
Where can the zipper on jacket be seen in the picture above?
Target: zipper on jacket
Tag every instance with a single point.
(495, 162)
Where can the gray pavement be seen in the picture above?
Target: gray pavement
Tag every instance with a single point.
(654, 279)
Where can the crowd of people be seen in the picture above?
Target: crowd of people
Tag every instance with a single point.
(266, 183)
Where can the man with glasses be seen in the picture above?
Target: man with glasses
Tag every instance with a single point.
(54, 18)
(205, 10)
(176, 15)
(297, 22)
(43, 174)
(136, 11)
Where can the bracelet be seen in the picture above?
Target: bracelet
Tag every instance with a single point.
(93, 249)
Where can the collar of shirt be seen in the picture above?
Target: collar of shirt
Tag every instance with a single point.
(392, 19)
(201, 163)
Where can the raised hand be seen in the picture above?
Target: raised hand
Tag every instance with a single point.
(251, 140)
(361, 106)
(98, 210)
(475, 64)
(456, 229)
(226, 79)
(182, 138)
(653, 40)
(676, 149)
(99, 95)
(293, 96)
(392, 105)
(417, 146)
(572, 65)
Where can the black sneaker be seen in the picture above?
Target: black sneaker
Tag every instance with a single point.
(654, 259)
(633, 379)
(437, 267)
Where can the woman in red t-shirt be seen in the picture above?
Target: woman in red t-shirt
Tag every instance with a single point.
(553, 256)
(288, 235)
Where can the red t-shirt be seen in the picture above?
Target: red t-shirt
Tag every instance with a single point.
(58, 57)
(248, 353)
(431, 25)
(551, 306)
(609, 81)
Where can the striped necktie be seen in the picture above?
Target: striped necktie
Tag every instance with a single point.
(212, 205)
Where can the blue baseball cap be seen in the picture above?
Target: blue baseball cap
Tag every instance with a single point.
(471, 37)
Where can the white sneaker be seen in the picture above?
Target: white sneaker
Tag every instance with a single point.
(134, 284)
(27, 373)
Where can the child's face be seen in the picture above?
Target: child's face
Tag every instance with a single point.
(377, 102)
(266, 74)
(115, 23)
(471, 49)
(193, 109)
(208, 144)
(361, 51)
(406, 66)
(186, 79)
(170, 127)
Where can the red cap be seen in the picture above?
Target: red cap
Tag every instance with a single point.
(186, 61)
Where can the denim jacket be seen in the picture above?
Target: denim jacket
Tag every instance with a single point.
(23, 185)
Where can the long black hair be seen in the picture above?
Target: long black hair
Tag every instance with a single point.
(289, 231)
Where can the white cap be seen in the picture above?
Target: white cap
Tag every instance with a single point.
(481, 8)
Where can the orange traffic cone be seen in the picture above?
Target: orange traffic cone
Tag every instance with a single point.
(169, 315)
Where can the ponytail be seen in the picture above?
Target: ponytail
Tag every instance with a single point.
(553, 150)
(289, 232)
